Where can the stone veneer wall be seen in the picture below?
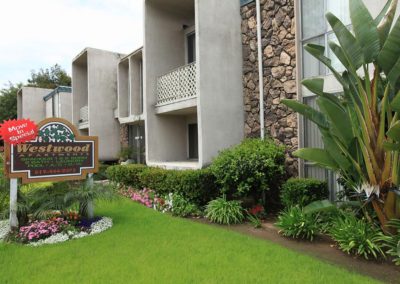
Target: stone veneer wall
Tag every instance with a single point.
(279, 56)
(124, 136)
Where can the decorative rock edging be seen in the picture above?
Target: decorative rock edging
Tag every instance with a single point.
(100, 226)
(279, 62)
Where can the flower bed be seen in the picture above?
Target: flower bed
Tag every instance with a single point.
(173, 203)
(97, 227)
(55, 230)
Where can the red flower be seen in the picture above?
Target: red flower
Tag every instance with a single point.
(256, 209)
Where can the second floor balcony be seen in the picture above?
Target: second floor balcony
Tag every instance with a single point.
(177, 86)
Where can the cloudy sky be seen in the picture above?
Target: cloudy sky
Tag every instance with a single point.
(40, 33)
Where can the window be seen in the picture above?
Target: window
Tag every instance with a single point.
(316, 30)
(136, 141)
(193, 141)
(191, 47)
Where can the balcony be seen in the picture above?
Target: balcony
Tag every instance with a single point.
(178, 86)
(84, 117)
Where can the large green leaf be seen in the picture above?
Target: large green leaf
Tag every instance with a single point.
(319, 156)
(336, 153)
(389, 55)
(349, 43)
(365, 30)
(339, 120)
(319, 206)
(318, 51)
(338, 51)
(385, 19)
(316, 86)
(308, 112)
(395, 103)
(394, 131)
(394, 74)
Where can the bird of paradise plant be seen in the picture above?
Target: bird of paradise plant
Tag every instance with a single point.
(361, 128)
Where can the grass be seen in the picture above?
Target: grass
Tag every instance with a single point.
(145, 246)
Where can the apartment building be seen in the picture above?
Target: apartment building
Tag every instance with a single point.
(95, 99)
(58, 103)
(193, 100)
(130, 105)
(30, 103)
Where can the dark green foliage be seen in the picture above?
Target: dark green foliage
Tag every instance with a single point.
(294, 223)
(102, 173)
(303, 191)
(8, 102)
(392, 242)
(36, 201)
(357, 236)
(155, 179)
(198, 186)
(182, 207)
(49, 78)
(126, 174)
(224, 212)
(250, 168)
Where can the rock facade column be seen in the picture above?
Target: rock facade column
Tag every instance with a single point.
(279, 62)
(124, 136)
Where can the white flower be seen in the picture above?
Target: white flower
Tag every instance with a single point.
(101, 225)
(4, 229)
(368, 189)
(54, 239)
(80, 235)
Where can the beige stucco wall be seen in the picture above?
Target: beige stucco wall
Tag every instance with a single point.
(30, 103)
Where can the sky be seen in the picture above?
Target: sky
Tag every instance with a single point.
(38, 34)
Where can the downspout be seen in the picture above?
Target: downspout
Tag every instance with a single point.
(260, 70)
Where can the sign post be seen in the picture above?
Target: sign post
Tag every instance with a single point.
(57, 153)
(13, 204)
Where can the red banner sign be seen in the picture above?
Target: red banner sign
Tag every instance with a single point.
(18, 131)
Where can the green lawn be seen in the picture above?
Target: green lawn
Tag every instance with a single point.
(148, 247)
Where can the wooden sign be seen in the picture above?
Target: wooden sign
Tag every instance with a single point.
(58, 153)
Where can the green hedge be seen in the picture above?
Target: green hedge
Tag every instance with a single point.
(250, 168)
(302, 192)
(126, 174)
(198, 186)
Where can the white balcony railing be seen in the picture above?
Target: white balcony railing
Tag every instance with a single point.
(177, 85)
(84, 114)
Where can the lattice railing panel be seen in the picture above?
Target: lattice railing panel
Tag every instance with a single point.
(84, 114)
(177, 85)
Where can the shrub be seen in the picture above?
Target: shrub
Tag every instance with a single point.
(303, 191)
(198, 186)
(126, 174)
(179, 206)
(294, 223)
(392, 242)
(102, 173)
(250, 168)
(358, 237)
(224, 212)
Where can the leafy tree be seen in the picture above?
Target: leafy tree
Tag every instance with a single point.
(8, 102)
(49, 78)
